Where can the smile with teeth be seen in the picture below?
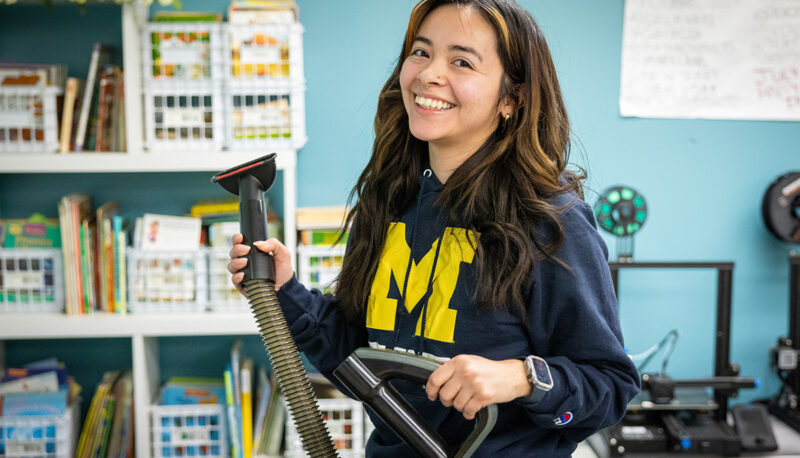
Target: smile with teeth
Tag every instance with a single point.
(432, 104)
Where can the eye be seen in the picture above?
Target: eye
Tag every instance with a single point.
(462, 63)
(419, 53)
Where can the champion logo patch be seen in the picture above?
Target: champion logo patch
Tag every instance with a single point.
(563, 419)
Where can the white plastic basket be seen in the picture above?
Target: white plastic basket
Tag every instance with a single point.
(264, 52)
(189, 430)
(263, 116)
(31, 280)
(318, 265)
(184, 116)
(222, 296)
(40, 436)
(29, 118)
(345, 421)
(174, 281)
(182, 51)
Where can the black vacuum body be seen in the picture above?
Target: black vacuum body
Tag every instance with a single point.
(366, 374)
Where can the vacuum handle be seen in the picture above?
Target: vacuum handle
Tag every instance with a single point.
(253, 224)
(366, 374)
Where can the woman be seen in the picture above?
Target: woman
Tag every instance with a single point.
(470, 244)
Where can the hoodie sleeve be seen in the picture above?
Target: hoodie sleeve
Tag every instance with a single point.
(574, 326)
(319, 327)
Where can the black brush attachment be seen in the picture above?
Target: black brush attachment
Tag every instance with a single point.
(250, 181)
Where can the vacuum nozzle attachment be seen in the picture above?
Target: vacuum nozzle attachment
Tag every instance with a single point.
(250, 181)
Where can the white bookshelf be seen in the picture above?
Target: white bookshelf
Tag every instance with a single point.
(14, 326)
(144, 330)
(137, 161)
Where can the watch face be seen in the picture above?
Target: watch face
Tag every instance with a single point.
(542, 372)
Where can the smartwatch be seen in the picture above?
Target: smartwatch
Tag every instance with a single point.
(538, 376)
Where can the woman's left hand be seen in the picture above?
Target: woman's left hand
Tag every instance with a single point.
(470, 383)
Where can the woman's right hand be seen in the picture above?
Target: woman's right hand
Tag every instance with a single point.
(280, 255)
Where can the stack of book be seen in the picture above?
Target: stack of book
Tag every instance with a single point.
(108, 428)
(93, 245)
(93, 113)
(268, 410)
(37, 402)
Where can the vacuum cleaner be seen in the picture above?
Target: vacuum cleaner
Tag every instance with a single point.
(365, 373)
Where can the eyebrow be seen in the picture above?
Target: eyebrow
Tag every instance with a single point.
(461, 48)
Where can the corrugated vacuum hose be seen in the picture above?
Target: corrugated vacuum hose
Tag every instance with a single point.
(250, 181)
(291, 375)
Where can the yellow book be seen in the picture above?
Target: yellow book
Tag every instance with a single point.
(247, 408)
(214, 207)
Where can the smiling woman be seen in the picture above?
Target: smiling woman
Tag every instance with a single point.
(451, 86)
(470, 243)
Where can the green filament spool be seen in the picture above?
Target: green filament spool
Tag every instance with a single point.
(621, 211)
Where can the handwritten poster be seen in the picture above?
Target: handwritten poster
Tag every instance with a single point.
(712, 59)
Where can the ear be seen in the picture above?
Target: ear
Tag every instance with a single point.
(507, 106)
(511, 102)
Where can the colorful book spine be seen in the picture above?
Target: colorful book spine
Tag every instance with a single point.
(247, 408)
(233, 421)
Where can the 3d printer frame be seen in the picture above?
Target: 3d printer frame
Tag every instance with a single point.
(722, 341)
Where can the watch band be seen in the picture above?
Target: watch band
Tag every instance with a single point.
(538, 376)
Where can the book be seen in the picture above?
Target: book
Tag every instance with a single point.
(13, 373)
(120, 270)
(233, 421)
(118, 114)
(98, 418)
(236, 378)
(263, 12)
(120, 427)
(101, 55)
(183, 391)
(270, 443)
(104, 127)
(68, 110)
(34, 404)
(220, 234)
(170, 233)
(321, 217)
(37, 231)
(263, 392)
(105, 246)
(42, 382)
(185, 16)
(213, 207)
(88, 233)
(72, 209)
(247, 407)
(321, 237)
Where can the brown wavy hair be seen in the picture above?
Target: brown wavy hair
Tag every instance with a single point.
(502, 191)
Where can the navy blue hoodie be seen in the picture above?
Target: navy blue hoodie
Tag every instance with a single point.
(423, 286)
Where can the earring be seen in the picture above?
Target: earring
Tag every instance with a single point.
(507, 116)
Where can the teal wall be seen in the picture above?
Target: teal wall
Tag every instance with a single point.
(703, 180)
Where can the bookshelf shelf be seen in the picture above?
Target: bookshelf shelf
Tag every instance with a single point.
(25, 326)
(136, 162)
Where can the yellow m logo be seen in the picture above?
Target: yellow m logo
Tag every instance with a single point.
(440, 322)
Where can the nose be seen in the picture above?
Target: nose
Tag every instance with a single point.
(431, 75)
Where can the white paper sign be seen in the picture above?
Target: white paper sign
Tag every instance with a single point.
(714, 59)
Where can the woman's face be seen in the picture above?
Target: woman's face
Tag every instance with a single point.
(451, 80)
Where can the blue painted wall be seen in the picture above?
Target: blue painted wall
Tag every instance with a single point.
(703, 180)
